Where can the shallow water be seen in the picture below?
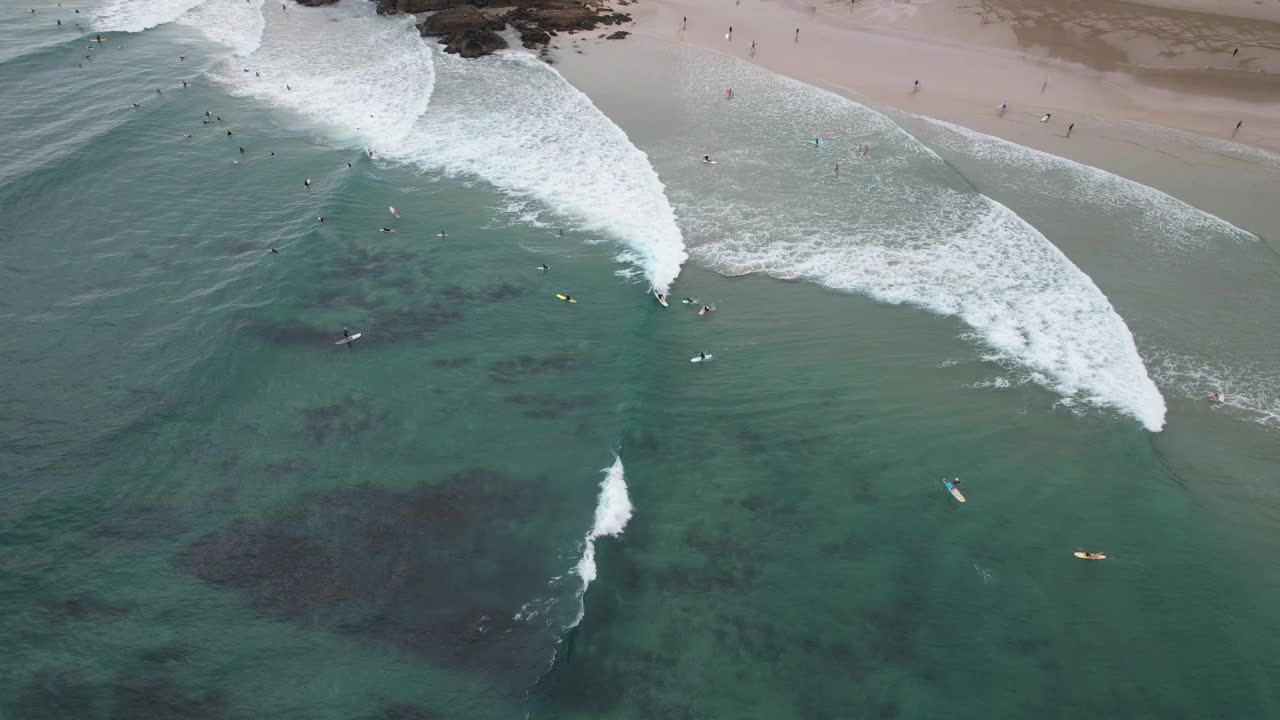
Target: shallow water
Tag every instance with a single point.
(216, 511)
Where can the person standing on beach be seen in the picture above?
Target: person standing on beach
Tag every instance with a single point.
(729, 36)
(837, 169)
(797, 35)
(684, 22)
(1235, 52)
(753, 48)
(1233, 132)
(915, 88)
(1069, 127)
(1004, 106)
(1044, 84)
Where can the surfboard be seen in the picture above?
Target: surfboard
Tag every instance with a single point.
(541, 268)
(709, 162)
(814, 142)
(566, 298)
(691, 302)
(661, 300)
(704, 311)
(346, 340)
(699, 359)
(393, 212)
(955, 491)
(1085, 556)
(97, 39)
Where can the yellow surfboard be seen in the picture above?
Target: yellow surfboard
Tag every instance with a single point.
(1087, 556)
(566, 298)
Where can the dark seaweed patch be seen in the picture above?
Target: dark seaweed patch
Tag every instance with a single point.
(453, 362)
(402, 711)
(348, 418)
(53, 695)
(398, 568)
(78, 608)
(148, 697)
(548, 406)
(145, 521)
(164, 654)
(523, 366)
(751, 441)
(502, 292)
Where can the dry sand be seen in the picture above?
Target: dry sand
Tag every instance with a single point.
(1153, 63)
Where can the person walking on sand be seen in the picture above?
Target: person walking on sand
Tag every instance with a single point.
(1235, 52)
(1046, 117)
(729, 36)
(1004, 106)
(1233, 132)
(797, 35)
(915, 88)
(1069, 127)
(1044, 84)
(753, 48)
(684, 22)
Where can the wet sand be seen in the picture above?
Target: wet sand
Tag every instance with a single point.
(1102, 60)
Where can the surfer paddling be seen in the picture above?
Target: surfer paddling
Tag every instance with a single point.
(386, 229)
(1217, 398)
(544, 267)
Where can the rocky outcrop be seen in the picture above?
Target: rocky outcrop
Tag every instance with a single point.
(470, 27)
(619, 35)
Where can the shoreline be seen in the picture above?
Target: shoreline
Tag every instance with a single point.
(965, 81)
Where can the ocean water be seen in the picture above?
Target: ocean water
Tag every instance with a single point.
(499, 505)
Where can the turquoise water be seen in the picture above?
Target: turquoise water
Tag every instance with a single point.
(214, 511)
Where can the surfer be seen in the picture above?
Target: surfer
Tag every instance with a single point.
(241, 151)
(1046, 117)
(1069, 127)
(837, 169)
(706, 158)
(662, 298)
(1233, 132)
(567, 298)
(187, 136)
(386, 229)
(729, 93)
(305, 183)
(286, 87)
(1217, 398)
(544, 266)
(705, 309)
(321, 218)
(181, 58)
(797, 35)
(275, 251)
(59, 23)
(687, 301)
(228, 133)
(1093, 556)
(442, 234)
(348, 164)
(702, 355)
(1004, 106)
(184, 83)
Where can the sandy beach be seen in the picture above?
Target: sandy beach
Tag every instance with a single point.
(1080, 62)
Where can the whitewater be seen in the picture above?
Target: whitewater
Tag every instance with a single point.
(371, 82)
(900, 226)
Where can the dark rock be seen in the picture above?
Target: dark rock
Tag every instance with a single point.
(619, 35)
(475, 43)
(456, 21)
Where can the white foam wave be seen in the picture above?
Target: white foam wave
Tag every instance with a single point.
(238, 24)
(1252, 390)
(902, 228)
(516, 123)
(138, 15)
(613, 510)
(361, 78)
(1164, 218)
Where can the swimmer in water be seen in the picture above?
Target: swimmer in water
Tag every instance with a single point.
(687, 301)
(241, 151)
(184, 83)
(306, 183)
(275, 251)
(321, 218)
(442, 233)
(158, 92)
(1217, 398)
(228, 133)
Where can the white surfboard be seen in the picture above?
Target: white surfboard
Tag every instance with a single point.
(701, 359)
(955, 491)
(393, 212)
(709, 162)
(346, 340)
